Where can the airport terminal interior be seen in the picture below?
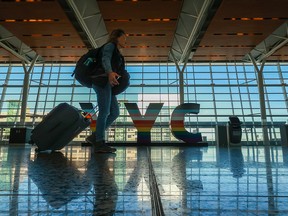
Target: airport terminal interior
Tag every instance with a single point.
(203, 125)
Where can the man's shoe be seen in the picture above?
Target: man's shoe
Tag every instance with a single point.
(101, 147)
(91, 139)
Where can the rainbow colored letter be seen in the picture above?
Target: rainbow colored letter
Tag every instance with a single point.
(144, 123)
(177, 123)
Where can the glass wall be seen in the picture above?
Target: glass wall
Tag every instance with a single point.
(221, 90)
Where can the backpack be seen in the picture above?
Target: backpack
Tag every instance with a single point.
(124, 83)
(86, 67)
(90, 64)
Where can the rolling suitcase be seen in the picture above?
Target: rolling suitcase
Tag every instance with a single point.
(58, 128)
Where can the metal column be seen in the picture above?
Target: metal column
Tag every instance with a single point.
(5, 87)
(25, 89)
(261, 98)
(181, 77)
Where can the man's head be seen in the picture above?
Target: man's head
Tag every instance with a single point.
(118, 37)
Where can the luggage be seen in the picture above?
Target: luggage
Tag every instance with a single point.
(86, 67)
(124, 83)
(58, 128)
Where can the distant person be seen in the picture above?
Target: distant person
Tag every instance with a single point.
(107, 85)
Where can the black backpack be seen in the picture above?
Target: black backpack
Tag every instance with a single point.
(124, 83)
(90, 64)
(86, 66)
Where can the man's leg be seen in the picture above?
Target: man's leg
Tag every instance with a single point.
(104, 103)
(114, 112)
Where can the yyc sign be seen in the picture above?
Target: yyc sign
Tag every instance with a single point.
(145, 123)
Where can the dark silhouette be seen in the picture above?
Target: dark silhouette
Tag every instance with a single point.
(57, 178)
(236, 162)
(103, 181)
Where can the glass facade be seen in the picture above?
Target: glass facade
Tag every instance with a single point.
(222, 90)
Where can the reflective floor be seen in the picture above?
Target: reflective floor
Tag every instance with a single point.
(185, 181)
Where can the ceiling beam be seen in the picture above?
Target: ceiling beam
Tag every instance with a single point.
(270, 45)
(88, 17)
(16, 47)
(194, 16)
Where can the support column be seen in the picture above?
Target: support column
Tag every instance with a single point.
(25, 89)
(5, 87)
(269, 174)
(181, 77)
(261, 98)
(38, 95)
(283, 85)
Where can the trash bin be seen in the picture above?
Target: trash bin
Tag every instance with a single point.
(235, 131)
(284, 134)
(20, 135)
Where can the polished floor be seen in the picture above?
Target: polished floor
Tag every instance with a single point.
(144, 181)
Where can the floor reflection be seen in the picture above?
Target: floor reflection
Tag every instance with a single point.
(57, 178)
(192, 181)
(236, 162)
(222, 181)
(178, 169)
(105, 187)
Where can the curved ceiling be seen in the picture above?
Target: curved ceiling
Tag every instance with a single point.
(231, 31)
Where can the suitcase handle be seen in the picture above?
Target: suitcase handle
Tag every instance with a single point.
(85, 114)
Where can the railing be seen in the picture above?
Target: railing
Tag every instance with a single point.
(126, 132)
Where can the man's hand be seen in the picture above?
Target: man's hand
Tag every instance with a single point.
(113, 76)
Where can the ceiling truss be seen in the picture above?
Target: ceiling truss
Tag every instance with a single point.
(89, 18)
(193, 16)
(15, 46)
(270, 45)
